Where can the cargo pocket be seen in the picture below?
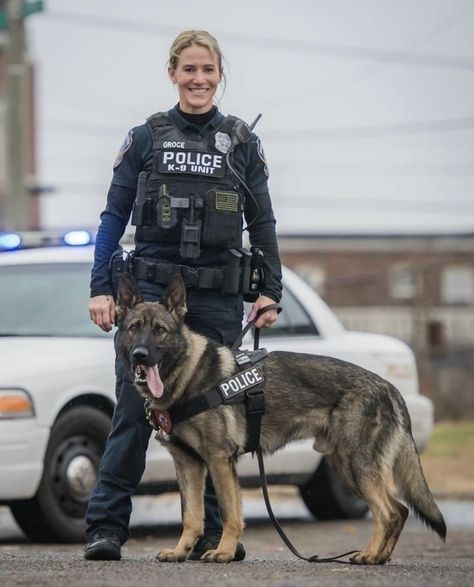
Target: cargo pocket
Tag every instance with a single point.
(222, 219)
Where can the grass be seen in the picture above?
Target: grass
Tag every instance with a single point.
(448, 461)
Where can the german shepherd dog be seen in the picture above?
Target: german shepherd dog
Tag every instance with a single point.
(358, 421)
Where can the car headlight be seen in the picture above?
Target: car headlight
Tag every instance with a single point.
(15, 403)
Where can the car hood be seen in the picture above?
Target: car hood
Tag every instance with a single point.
(23, 359)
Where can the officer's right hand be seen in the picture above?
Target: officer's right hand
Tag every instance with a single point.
(102, 312)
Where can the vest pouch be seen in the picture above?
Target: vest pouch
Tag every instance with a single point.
(222, 219)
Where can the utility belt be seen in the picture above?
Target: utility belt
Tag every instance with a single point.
(241, 274)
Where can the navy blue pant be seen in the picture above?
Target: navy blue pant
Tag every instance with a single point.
(123, 462)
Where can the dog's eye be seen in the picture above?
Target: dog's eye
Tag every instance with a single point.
(160, 329)
(133, 328)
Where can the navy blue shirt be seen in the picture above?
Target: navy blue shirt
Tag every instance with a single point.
(136, 155)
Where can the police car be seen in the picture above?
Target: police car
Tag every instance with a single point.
(57, 392)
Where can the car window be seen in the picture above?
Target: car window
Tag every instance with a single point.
(46, 300)
(292, 321)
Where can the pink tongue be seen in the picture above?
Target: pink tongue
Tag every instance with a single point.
(153, 380)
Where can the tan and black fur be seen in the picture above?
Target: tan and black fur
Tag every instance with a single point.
(358, 421)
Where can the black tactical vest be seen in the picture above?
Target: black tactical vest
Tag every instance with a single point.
(190, 196)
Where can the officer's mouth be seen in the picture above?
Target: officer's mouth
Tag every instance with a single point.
(199, 91)
(149, 377)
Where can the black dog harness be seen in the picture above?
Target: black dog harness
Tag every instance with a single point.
(244, 386)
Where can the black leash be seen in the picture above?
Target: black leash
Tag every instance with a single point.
(315, 558)
(256, 340)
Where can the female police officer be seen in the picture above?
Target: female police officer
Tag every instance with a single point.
(186, 178)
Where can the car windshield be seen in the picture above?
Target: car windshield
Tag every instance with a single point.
(46, 300)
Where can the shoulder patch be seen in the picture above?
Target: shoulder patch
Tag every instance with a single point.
(261, 154)
(127, 143)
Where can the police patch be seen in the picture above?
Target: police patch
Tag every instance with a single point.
(223, 142)
(233, 386)
(127, 143)
(191, 162)
(261, 154)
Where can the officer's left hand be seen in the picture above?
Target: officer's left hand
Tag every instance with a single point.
(268, 318)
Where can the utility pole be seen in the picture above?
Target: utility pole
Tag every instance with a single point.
(17, 196)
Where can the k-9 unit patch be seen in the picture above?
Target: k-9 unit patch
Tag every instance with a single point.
(191, 162)
(235, 385)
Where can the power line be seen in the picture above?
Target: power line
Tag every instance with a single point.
(329, 133)
(332, 50)
(383, 204)
(372, 131)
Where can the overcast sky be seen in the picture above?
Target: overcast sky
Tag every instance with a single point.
(368, 105)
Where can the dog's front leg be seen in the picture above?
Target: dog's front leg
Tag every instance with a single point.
(224, 477)
(190, 474)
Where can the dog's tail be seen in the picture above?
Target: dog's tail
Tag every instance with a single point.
(414, 488)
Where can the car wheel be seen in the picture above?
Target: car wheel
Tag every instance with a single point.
(57, 512)
(328, 499)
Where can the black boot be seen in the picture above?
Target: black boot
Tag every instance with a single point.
(103, 546)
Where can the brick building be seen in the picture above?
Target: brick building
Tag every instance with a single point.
(418, 287)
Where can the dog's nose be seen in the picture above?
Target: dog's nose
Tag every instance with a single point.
(140, 353)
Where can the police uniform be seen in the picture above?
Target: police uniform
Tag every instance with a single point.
(186, 194)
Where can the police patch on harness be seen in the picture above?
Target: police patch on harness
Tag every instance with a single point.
(191, 162)
(233, 386)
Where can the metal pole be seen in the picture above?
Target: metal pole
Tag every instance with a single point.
(16, 213)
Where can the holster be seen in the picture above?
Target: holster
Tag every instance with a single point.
(120, 262)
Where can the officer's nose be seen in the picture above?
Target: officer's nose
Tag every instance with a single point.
(199, 78)
(140, 353)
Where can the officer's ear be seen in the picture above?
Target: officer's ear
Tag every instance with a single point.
(128, 296)
(172, 74)
(174, 298)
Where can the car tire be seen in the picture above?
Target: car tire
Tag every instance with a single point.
(57, 512)
(328, 499)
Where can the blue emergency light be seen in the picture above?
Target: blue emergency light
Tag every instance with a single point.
(77, 238)
(9, 241)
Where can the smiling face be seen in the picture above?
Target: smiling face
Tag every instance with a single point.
(197, 76)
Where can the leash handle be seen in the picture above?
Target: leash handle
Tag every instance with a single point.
(311, 559)
(260, 311)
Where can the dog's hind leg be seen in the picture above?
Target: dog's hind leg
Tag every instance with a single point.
(190, 474)
(224, 477)
(388, 519)
(397, 528)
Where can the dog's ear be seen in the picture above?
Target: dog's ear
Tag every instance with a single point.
(174, 298)
(128, 296)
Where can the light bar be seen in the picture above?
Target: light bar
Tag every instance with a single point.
(9, 241)
(77, 238)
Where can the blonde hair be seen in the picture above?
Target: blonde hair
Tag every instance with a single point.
(195, 37)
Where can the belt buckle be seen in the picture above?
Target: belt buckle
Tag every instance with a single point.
(192, 277)
(150, 272)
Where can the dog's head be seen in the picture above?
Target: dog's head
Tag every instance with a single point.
(150, 333)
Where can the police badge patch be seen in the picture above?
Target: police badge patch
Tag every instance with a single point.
(261, 154)
(127, 143)
(223, 142)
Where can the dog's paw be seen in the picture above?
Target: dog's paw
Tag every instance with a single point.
(218, 556)
(364, 558)
(171, 556)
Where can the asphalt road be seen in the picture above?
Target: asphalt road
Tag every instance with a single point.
(419, 559)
